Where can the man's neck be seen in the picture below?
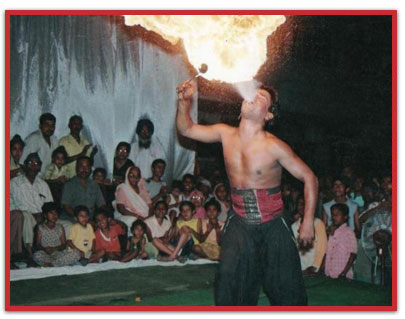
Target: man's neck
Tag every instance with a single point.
(155, 178)
(31, 178)
(76, 136)
(83, 181)
(249, 129)
(47, 139)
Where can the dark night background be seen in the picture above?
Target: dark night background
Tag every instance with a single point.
(334, 80)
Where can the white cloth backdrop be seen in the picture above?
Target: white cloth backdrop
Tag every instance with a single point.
(85, 65)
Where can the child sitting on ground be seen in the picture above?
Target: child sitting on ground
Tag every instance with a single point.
(198, 199)
(185, 230)
(221, 194)
(210, 235)
(57, 170)
(81, 236)
(136, 243)
(188, 185)
(107, 244)
(159, 229)
(342, 244)
(173, 200)
(51, 241)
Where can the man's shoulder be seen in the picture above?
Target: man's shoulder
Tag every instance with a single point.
(32, 137)
(18, 180)
(64, 139)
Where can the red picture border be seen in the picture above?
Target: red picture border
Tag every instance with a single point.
(8, 307)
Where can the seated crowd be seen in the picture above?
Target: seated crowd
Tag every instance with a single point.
(64, 212)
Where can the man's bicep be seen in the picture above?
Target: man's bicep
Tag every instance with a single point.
(292, 163)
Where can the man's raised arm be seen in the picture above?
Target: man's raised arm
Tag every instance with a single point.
(186, 126)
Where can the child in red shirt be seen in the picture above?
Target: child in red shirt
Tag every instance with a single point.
(107, 240)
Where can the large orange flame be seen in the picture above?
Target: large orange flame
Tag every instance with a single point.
(233, 46)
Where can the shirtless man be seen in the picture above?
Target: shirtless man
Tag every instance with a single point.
(257, 246)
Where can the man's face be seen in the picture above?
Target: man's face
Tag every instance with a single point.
(338, 188)
(75, 126)
(259, 107)
(47, 128)
(83, 169)
(145, 133)
(145, 137)
(158, 170)
(33, 166)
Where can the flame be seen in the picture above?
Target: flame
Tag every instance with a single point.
(233, 46)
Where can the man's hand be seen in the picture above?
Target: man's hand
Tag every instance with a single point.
(185, 90)
(94, 151)
(306, 234)
(85, 149)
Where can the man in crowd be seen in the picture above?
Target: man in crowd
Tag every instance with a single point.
(42, 142)
(76, 145)
(147, 148)
(81, 190)
(28, 193)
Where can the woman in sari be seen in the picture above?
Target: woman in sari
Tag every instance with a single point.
(131, 198)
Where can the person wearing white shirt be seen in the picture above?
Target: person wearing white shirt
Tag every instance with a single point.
(147, 148)
(42, 141)
(28, 193)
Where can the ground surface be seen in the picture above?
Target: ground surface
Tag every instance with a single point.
(190, 285)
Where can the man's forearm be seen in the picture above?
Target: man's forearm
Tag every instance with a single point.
(310, 197)
(183, 119)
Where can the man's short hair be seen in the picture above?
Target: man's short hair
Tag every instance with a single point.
(148, 124)
(75, 117)
(213, 202)
(47, 117)
(32, 156)
(343, 208)
(81, 158)
(274, 107)
(158, 161)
